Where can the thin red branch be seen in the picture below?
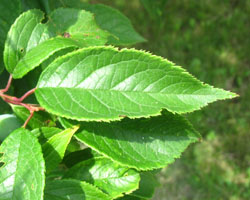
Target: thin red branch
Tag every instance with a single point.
(19, 101)
(7, 86)
(28, 119)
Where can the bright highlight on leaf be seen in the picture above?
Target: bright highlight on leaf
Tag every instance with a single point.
(102, 83)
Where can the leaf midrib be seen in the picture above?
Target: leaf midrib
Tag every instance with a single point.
(127, 91)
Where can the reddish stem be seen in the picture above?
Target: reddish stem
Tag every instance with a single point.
(18, 101)
(28, 119)
(7, 86)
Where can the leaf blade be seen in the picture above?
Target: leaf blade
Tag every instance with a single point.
(40, 53)
(26, 32)
(143, 144)
(55, 147)
(21, 177)
(108, 176)
(82, 84)
(73, 189)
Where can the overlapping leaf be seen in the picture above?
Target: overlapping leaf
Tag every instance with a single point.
(109, 176)
(143, 144)
(55, 147)
(9, 11)
(116, 23)
(22, 174)
(27, 44)
(147, 186)
(41, 53)
(72, 189)
(102, 83)
(8, 123)
(38, 120)
(25, 33)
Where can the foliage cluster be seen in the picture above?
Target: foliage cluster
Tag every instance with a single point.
(103, 120)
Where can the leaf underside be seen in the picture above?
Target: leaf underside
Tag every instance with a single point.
(102, 83)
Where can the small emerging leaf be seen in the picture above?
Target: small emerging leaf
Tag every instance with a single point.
(22, 174)
(102, 83)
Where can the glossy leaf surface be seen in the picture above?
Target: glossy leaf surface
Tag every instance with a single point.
(102, 83)
(72, 190)
(22, 174)
(55, 147)
(107, 175)
(140, 143)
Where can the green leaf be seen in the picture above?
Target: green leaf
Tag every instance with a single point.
(77, 24)
(24, 34)
(41, 53)
(113, 21)
(8, 123)
(102, 83)
(22, 175)
(55, 147)
(72, 190)
(107, 175)
(144, 144)
(45, 133)
(38, 120)
(9, 11)
(147, 186)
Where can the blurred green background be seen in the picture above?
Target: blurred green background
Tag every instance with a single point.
(211, 39)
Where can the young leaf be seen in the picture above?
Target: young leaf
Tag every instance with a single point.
(102, 83)
(55, 147)
(107, 175)
(8, 123)
(22, 174)
(143, 144)
(42, 52)
(25, 33)
(72, 190)
(113, 21)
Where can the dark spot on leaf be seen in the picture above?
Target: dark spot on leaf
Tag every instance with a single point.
(22, 50)
(66, 35)
(86, 34)
(123, 116)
